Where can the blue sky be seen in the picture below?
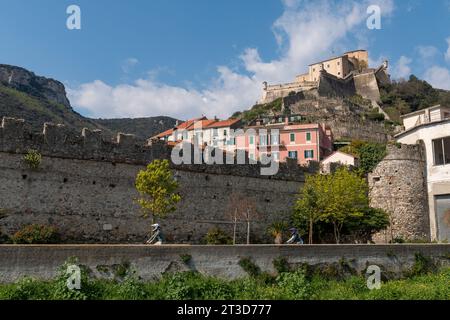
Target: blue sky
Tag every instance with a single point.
(184, 58)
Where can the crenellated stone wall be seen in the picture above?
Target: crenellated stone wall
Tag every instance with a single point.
(85, 187)
(398, 185)
(58, 141)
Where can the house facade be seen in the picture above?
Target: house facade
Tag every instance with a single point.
(338, 157)
(431, 128)
(285, 137)
(281, 137)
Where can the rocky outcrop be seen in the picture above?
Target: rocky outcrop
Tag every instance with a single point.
(26, 81)
(39, 100)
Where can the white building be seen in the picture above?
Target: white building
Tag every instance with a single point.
(204, 132)
(338, 157)
(431, 127)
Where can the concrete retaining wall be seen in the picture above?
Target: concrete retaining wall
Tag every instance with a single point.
(151, 262)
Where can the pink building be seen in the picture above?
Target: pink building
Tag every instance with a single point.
(304, 142)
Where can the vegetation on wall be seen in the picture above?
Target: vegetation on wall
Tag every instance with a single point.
(32, 159)
(368, 153)
(36, 234)
(338, 200)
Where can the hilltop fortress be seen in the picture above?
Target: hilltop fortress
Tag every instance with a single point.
(341, 76)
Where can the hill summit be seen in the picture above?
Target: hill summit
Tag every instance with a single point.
(38, 99)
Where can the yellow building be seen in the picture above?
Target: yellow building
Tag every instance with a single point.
(338, 66)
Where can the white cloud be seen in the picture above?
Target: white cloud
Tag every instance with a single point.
(427, 52)
(128, 64)
(306, 32)
(438, 77)
(402, 68)
(447, 54)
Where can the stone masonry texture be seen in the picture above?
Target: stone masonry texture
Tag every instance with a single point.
(150, 262)
(85, 187)
(398, 185)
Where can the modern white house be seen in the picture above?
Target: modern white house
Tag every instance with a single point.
(431, 127)
(338, 157)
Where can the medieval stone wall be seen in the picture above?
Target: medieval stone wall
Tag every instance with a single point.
(367, 86)
(332, 86)
(85, 187)
(398, 185)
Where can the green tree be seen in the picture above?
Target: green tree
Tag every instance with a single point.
(157, 188)
(372, 220)
(344, 197)
(333, 199)
(368, 153)
(308, 210)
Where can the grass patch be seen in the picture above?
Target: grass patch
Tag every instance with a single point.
(292, 285)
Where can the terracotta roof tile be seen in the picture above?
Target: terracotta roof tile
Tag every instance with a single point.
(223, 123)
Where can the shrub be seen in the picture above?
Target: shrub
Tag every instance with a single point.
(294, 284)
(28, 288)
(33, 159)
(36, 234)
(281, 265)
(276, 230)
(131, 289)
(192, 285)
(218, 236)
(186, 258)
(422, 265)
(4, 238)
(250, 267)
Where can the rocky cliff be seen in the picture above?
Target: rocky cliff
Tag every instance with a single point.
(38, 100)
(27, 82)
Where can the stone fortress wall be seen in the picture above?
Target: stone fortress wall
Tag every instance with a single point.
(398, 185)
(85, 187)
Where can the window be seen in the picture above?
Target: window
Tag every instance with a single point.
(309, 154)
(339, 73)
(185, 135)
(308, 136)
(275, 139)
(314, 69)
(338, 63)
(252, 141)
(292, 137)
(292, 154)
(263, 140)
(232, 141)
(441, 151)
(225, 133)
(328, 65)
(215, 132)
